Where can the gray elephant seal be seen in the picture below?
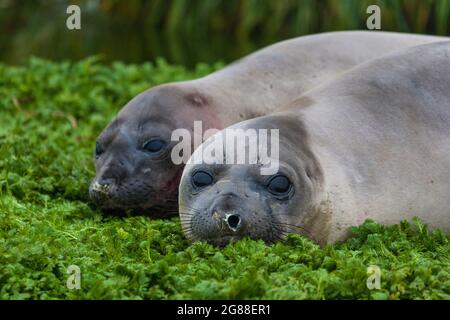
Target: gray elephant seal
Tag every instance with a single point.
(132, 158)
(374, 143)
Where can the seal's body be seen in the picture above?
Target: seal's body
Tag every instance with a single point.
(372, 144)
(133, 154)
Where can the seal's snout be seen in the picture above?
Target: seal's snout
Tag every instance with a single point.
(230, 218)
(233, 221)
(99, 191)
(100, 187)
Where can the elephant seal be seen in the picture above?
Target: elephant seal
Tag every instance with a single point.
(132, 158)
(372, 144)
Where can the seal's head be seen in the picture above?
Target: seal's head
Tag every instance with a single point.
(134, 169)
(219, 202)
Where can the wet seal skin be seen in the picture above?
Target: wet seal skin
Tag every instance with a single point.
(133, 165)
(374, 143)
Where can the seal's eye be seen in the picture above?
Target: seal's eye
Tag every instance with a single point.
(279, 185)
(154, 145)
(202, 179)
(98, 149)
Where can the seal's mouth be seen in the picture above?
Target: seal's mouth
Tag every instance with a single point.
(222, 241)
(99, 188)
(99, 193)
(135, 198)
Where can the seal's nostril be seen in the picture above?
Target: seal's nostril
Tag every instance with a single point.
(233, 221)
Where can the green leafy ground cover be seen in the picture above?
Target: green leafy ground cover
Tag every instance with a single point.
(50, 114)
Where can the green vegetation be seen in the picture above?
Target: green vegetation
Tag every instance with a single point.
(50, 115)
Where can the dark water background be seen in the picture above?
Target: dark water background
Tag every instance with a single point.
(190, 31)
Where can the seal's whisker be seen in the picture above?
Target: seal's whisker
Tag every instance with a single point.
(282, 234)
(292, 226)
(183, 207)
(184, 215)
(186, 227)
(183, 211)
(186, 206)
(300, 230)
(186, 222)
(279, 237)
(187, 232)
(189, 235)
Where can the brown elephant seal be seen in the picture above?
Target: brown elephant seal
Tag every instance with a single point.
(133, 164)
(372, 144)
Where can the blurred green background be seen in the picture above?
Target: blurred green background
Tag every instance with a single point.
(190, 31)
